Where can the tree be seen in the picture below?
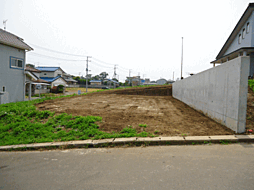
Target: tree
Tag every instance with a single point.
(96, 77)
(30, 65)
(102, 76)
(115, 79)
(76, 78)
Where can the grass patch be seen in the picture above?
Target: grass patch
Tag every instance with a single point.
(251, 84)
(22, 123)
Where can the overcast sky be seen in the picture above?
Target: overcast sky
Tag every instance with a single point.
(142, 35)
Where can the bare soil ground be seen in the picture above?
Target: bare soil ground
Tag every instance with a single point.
(153, 106)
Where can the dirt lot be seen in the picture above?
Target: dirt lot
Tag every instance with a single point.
(153, 106)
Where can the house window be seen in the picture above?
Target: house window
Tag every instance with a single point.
(3, 88)
(243, 35)
(248, 28)
(16, 63)
(239, 39)
(45, 73)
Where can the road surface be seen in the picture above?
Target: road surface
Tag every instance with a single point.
(157, 167)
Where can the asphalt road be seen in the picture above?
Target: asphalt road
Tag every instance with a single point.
(161, 167)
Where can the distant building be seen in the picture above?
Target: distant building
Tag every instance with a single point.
(53, 75)
(135, 80)
(95, 82)
(170, 81)
(68, 78)
(161, 81)
(34, 85)
(241, 40)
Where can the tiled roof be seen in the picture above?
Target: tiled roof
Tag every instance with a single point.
(111, 81)
(42, 81)
(70, 80)
(95, 81)
(48, 68)
(12, 40)
(27, 68)
(50, 79)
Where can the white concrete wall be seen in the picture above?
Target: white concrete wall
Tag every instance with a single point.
(219, 92)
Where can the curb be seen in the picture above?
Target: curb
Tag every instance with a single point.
(133, 141)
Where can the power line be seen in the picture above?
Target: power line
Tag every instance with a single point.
(102, 61)
(69, 54)
(51, 57)
(50, 50)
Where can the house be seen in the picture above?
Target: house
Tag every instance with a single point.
(110, 81)
(95, 82)
(68, 78)
(34, 85)
(52, 75)
(241, 41)
(135, 80)
(161, 81)
(12, 63)
(170, 81)
(50, 72)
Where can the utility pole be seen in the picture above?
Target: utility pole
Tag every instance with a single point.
(130, 76)
(87, 69)
(138, 78)
(114, 76)
(182, 61)
(173, 75)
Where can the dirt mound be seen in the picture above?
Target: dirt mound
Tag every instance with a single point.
(161, 90)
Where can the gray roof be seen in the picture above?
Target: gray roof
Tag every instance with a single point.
(70, 80)
(12, 40)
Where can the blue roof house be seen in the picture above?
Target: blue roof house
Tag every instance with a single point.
(241, 41)
(53, 75)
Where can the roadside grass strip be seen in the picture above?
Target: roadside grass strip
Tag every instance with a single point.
(251, 84)
(22, 123)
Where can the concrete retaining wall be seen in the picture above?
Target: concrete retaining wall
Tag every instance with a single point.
(219, 92)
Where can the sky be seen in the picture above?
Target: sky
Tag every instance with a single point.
(140, 37)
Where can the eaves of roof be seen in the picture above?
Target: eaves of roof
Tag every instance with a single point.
(48, 69)
(238, 26)
(50, 79)
(12, 40)
(27, 68)
(234, 54)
